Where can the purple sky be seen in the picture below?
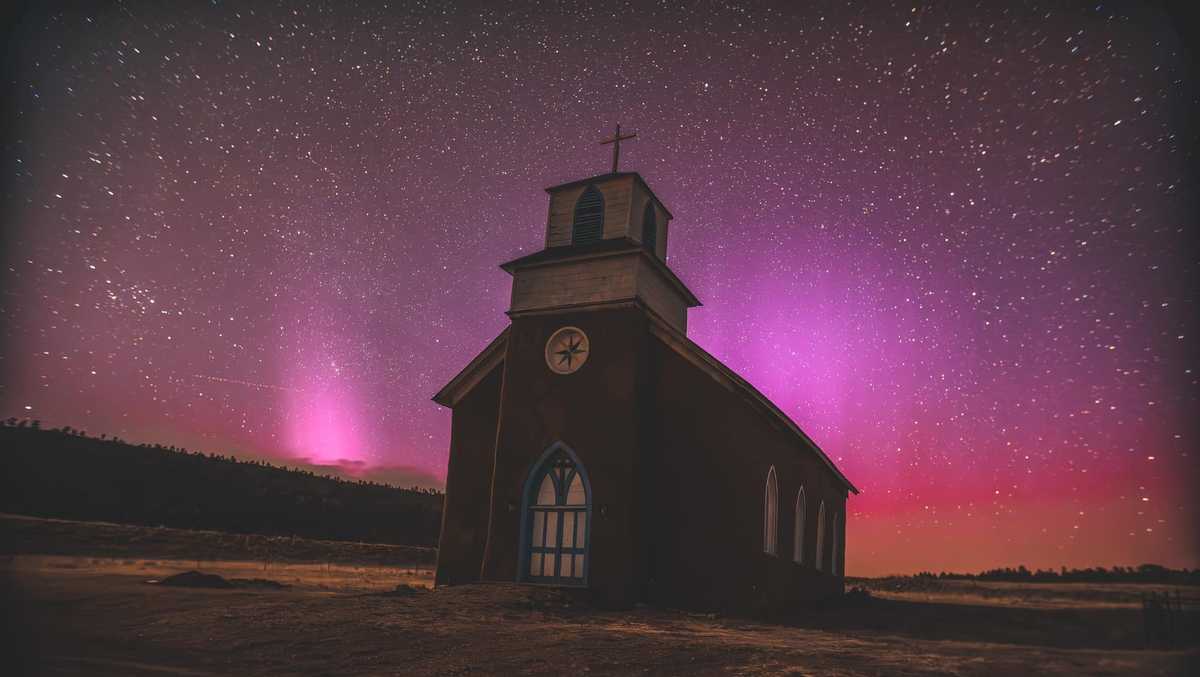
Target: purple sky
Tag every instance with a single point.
(953, 244)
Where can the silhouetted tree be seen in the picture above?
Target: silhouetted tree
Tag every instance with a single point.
(51, 475)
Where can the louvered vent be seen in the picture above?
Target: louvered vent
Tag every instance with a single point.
(588, 225)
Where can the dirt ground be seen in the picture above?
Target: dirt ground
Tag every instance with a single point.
(75, 600)
(98, 616)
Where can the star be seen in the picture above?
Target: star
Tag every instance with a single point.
(573, 348)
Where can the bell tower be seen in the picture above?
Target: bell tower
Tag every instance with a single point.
(574, 398)
(606, 244)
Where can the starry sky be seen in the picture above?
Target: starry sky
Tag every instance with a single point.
(953, 243)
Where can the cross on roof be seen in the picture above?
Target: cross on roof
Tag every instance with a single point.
(616, 140)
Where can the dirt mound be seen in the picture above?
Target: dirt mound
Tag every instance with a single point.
(194, 579)
(404, 590)
(262, 583)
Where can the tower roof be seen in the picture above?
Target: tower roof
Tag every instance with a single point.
(610, 247)
(607, 177)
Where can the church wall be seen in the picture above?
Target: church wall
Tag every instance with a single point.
(468, 480)
(715, 451)
(617, 194)
(593, 412)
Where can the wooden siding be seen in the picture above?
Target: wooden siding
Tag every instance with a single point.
(599, 280)
(714, 452)
(574, 282)
(662, 298)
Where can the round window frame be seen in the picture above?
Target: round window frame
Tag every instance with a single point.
(587, 341)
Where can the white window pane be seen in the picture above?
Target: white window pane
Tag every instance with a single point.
(575, 495)
(568, 530)
(551, 529)
(581, 530)
(535, 564)
(578, 566)
(546, 491)
(551, 565)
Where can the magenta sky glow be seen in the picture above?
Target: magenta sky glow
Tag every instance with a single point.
(954, 244)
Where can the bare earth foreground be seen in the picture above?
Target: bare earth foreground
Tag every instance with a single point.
(73, 614)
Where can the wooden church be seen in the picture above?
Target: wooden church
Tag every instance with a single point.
(593, 444)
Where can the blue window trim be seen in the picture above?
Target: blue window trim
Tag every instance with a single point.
(533, 478)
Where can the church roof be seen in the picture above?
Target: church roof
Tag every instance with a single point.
(493, 355)
(607, 247)
(473, 373)
(699, 357)
(608, 177)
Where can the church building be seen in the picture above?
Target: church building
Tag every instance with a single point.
(594, 445)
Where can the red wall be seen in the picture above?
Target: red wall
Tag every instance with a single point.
(594, 412)
(714, 451)
(468, 482)
(677, 463)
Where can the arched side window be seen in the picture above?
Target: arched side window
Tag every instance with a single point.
(588, 224)
(650, 228)
(821, 537)
(771, 513)
(836, 568)
(798, 536)
(557, 515)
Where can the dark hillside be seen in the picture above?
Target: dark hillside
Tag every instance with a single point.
(57, 473)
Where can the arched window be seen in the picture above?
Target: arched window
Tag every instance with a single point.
(798, 536)
(557, 514)
(836, 568)
(650, 228)
(771, 513)
(821, 537)
(588, 224)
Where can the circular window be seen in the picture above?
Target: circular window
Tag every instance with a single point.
(567, 350)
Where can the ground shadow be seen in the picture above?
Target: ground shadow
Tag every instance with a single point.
(1066, 628)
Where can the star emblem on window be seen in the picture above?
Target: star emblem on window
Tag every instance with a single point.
(567, 350)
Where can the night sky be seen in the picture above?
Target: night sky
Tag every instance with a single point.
(952, 243)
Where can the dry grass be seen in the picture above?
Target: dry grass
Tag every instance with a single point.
(1028, 595)
(35, 535)
(331, 577)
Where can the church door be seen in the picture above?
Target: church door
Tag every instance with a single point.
(557, 515)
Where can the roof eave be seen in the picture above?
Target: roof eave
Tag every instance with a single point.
(609, 176)
(634, 248)
(755, 396)
(476, 369)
